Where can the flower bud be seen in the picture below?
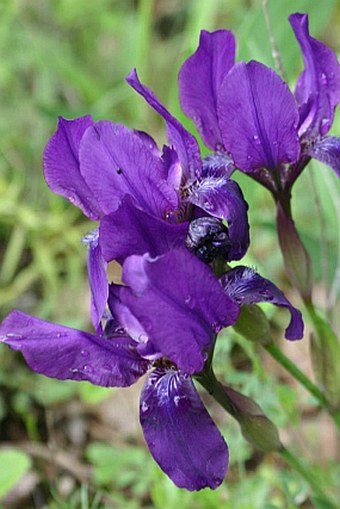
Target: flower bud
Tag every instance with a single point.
(208, 238)
(296, 258)
(253, 324)
(255, 426)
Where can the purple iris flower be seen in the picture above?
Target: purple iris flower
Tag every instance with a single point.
(245, 110)
(165, 318)
(143, 198)
(168, 326)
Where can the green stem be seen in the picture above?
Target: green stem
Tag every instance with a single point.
(276, 353)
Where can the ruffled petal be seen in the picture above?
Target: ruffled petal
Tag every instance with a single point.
(180, 304)
(245, 286)
(184, 143)
(200, 79)
(318, 87)
(258, 118)
(326, 150)
(222, 197)
(180, 433)
(61, 165)
(114, 161)
(129, 231)
(64, 353)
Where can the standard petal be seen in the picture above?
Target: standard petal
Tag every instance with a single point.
(245, 286)
(184, 143)
(180, 433)
(64, 353)
(200, 79)
(180, 304)
(318, 87)
(61, 165)
(115, 161)
(258, 118)
(326, 150)
(222, 197)
(130, 231)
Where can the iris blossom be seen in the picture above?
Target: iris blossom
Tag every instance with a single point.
(159, 325)
(143, 198)
(246, 111)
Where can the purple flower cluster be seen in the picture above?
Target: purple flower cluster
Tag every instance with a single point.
(245, 110)
(166, 216)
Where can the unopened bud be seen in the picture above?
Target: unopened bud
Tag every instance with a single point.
(208, 238)
(253, 324)
(255, 426)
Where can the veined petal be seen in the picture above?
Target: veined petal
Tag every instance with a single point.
(200, 79)
(96, 267)
(258, 118)
(245, 286)
(129, 231)
(180, 304)
(318, 87)
(114, 161)
(180, 433)
(326, 150)
(222, 197)
(185, 144)
(64, 353)
(61, 165)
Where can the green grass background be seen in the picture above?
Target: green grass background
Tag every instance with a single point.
(69, 58)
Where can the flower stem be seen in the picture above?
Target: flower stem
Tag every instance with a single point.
(280, 357)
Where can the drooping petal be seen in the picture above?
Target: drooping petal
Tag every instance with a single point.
(245, 286)
(184, 143)
(200, 79)
(180, 433)
(61, 165)
(129, 231)
(180, 304)
(64, 353)
(258, 118)
(318, 87)
(115, 161)
(326, 150)
(96, 268)
(222, 197)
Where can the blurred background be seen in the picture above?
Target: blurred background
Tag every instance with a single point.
(72, 445)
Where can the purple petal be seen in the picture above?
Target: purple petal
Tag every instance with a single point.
(130, 231)
(318, 87)
(200, 79)
(245, 286)
(149, 142)
(326, 150)
(64, 353)
(180, 304)
(180, 433)
(258, 118)
(115, 161)
(184, 143)
(222, 197)
(61, 165)
(96, 267)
